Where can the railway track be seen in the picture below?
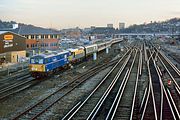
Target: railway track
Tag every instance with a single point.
(153, 100)
(41, 106)
(159, 103)
(173, 88)
(17, 87)
(123, 107)
(9, 80)
(103, 98)
(83, 108)
(19, 82)
(117, 95)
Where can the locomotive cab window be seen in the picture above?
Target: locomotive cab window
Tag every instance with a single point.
(32, 61)
(65, 56)
(40, 61)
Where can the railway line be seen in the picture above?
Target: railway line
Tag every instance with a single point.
(17, 87)
(15, 83)
(99, 102)
(158, 101)
(142, 84)
(158, 98)
(20, 81)
(122, 107)
(41, 106)
(9, 80)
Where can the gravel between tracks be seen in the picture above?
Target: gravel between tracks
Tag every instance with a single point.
(68, 101)
(19, 102)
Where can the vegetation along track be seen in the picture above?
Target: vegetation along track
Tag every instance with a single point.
(40, 107)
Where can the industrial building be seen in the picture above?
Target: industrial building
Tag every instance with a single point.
(37, 37)
(12, 47)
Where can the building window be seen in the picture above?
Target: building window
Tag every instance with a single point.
(42, 36)
(27, 45)
(32, 36)
(37, 36)
(26, 36)
(46, 36)
(55, 36)
(52, 36)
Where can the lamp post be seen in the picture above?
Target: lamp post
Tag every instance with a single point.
(38, 45)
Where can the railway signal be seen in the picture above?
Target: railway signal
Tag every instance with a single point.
(169, 82)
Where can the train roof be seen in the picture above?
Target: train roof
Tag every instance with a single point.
(48, 55)
(90, 45)
(75, 48)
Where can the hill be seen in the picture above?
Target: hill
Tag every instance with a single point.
(168, 26)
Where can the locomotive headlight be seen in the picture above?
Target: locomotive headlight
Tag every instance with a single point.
(33, 69)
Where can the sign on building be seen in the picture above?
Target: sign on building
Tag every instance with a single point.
(8, 41)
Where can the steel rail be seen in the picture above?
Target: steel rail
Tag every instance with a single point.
(177, 112)
(14, 86)
(146, 102)
(170, 63)
(136, 85)
(144, 96)
(117, 98)
(96, 88)
(63, 86)
(164, 91)
(97, 107)
(176, 84)
(161, 90)
(152, 93)
(150, 90)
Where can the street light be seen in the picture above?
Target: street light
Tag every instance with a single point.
(38, 46)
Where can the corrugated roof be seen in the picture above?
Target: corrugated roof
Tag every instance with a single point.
(32, 30)
(2, 32)
(10, 30)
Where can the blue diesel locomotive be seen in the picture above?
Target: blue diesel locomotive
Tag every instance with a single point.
(43, 65)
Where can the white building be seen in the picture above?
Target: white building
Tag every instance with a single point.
(121, 26)
(110, 25)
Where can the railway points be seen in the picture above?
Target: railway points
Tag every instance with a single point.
(141, 83)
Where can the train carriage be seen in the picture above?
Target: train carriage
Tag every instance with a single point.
(76, 54)
(108, 44)
(101, 46)
(90, 49)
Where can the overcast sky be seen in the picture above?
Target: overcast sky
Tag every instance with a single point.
(85, 13)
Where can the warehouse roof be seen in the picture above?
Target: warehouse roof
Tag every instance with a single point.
(32, 30)
(2, 32)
